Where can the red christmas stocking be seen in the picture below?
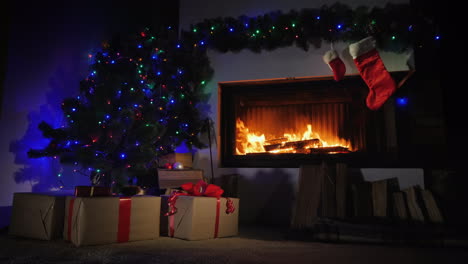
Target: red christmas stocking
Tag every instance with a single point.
(373, 72)
(335, 63)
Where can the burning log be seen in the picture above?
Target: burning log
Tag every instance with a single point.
(297, 145)
(275, 141)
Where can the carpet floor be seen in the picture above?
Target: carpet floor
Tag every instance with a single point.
(253, 245)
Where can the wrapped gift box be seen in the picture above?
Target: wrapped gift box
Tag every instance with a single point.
(105, 220)
(91, 191)
(36, 215)
(196, 218)
(175, 178)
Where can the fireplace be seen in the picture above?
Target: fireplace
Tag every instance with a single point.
(293, 121)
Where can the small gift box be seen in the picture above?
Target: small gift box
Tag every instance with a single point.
(92, 191)
(105, 220)
(199, 213)
(184, 159)
(38, 216)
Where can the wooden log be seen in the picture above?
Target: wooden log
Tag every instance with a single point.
(341, 189)
(328, 190)
(400, 206)
(301, 144)
(415, 211)
(433, 212)
(308, 197)
(275, 141)
(362, 199)
(381, 196)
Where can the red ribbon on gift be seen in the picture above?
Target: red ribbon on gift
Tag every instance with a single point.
(201, 188)
(123, 230)
(125, 208)
(69, 220)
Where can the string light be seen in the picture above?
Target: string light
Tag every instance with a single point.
(402, 101)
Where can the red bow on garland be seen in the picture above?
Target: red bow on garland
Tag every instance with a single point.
(201, 188)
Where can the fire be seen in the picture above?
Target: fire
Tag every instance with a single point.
(302, 142)
(247, 142)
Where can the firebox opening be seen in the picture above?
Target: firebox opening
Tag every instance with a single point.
(288, 122)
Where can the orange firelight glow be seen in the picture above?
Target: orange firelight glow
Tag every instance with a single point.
(298, 142)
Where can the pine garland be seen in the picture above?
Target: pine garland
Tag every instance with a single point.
(391, 25)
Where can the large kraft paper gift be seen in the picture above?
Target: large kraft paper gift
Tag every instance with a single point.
(105, 220)
(38, 216)
(199, 216)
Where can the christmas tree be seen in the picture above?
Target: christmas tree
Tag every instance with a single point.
(143, 97)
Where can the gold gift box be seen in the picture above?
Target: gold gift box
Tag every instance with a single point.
(98, 220)
(195, 218)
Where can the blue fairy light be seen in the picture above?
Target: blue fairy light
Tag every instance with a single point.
(402, 101)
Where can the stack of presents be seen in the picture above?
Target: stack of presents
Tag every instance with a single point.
(93, 216)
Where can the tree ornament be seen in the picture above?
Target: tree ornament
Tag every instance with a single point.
(168, 166)
(178, 166)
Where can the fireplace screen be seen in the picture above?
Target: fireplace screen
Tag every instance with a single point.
(292, 121)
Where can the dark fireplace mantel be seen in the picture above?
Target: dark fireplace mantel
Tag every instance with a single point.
(332, 107)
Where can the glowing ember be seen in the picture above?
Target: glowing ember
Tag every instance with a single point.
(301, 142)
